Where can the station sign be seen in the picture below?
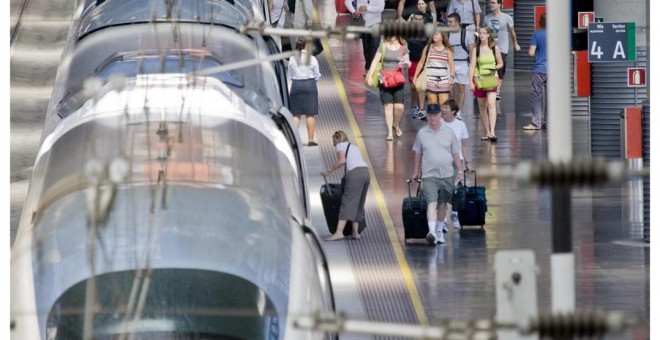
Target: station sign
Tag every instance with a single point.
(636, 77)
(585, 18)
(611, 42)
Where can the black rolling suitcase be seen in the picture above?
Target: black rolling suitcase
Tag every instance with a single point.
(413, 211)
(331, 202)
(474, 209)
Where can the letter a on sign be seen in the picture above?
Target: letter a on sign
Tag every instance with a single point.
(618, 51)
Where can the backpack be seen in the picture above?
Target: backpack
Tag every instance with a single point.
(463, 43)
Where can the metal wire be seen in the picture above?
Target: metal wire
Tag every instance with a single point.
(578, 172)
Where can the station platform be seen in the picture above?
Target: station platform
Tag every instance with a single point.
(381, 278)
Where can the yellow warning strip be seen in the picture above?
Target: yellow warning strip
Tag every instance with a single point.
(380, 200)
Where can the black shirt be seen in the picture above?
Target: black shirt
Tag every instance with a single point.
(416, 46)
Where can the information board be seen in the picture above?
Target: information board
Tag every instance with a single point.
(611, 41)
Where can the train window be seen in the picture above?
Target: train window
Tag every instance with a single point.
(170, 64)
(110, 13)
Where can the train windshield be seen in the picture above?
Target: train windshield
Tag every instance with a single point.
(101, 14)
(130, 66)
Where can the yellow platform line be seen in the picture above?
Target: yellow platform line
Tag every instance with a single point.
(378, 193)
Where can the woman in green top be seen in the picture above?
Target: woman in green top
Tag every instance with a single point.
(485, 59)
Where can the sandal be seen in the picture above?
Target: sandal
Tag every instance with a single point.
(397, 132)
(493, 138)
(335, 238)
(389, 139)
(485, 137)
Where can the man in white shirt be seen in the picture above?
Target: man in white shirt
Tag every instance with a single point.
(461, 42)
(470, 12)
(302, 15)
(278, 9)
(449, 110)
(371, 11)
(500, 24)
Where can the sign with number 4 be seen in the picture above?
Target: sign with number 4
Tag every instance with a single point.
(611, 41)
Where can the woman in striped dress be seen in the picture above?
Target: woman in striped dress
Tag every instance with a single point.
(438, 60)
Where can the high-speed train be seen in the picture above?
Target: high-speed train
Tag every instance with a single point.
(165, 204)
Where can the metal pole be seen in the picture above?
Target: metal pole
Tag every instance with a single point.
(635, 88)
(560, 150)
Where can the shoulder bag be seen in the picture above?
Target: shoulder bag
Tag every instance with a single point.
(474, 15)
(343, 178)
(375, 77)
(421, 83)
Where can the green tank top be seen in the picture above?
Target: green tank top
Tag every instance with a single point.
(485, 61)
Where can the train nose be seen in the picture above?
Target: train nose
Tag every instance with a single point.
(166, 304)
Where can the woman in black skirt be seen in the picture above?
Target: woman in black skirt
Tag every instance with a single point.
(304, 96)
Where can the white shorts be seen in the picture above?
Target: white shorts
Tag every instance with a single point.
(462, 68)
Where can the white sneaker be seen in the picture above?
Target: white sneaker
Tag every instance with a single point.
(443, 228)
(454, 220)
(421, 114)
(440, 239)
(459, 115)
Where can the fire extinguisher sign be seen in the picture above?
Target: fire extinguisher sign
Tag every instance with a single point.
(584, 18)
(636, 77)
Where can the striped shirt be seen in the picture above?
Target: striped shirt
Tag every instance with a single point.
(437, 70)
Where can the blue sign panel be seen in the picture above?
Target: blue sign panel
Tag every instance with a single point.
(611, 41)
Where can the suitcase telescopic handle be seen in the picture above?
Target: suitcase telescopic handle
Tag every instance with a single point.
(327, 187)
(410, 180)
(465, 173)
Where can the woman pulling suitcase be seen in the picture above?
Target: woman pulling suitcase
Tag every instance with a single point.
(356, 184)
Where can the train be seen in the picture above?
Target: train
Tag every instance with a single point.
(163, 203)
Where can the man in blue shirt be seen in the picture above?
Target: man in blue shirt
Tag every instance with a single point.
(538, 50)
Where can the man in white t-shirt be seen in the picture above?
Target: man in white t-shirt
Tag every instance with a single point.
(469, 10)
(501, 24)
(278, 9)
(449, 110)
(461, 42)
